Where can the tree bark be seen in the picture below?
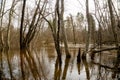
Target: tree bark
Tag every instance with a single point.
(88, 21)
(88, 32)
(21, 25)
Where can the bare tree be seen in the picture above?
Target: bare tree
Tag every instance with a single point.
(56, 25)
(92, 28)
(9, 24)
(73, 25)
(113, 23)
(21, 25)
(63, 29)
(26, 36)
(88, 32)
(114, 26)
(1, 22)
(21, 38)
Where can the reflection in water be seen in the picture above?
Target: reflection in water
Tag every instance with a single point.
(86, 69)
(44, 65)
(116, 71)
(79, 60)
(1, 64)
(78, 66)
(67, 60)
(58, 69)
(28, 62)
(9, 63)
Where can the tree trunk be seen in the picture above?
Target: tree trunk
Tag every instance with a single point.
(63, 30)
(1, 20)
(22, 46)
(73, 29)
(21, 25)
(55, 29)
(1, 39)
(113, 24)
(88, 32)
(27, 35)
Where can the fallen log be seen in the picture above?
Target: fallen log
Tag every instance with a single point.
(107, 49)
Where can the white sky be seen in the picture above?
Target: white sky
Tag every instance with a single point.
(75, 6)
(71, 6)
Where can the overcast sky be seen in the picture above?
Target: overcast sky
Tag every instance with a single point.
(71, 6)
(74, 6)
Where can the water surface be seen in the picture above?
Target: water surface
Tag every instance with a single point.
(43, 64)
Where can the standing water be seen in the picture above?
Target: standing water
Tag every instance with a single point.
(43, 64)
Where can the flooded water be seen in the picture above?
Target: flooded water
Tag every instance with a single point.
(43, 64)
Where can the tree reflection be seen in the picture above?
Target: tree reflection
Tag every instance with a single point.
(86, 69)
(28, 65)
(58, 69)
(116, 70)
(34, 66)
(9, 63)
(1, 64)
(104, 71)
(78, 66)
(67, 60)
(79, 60)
